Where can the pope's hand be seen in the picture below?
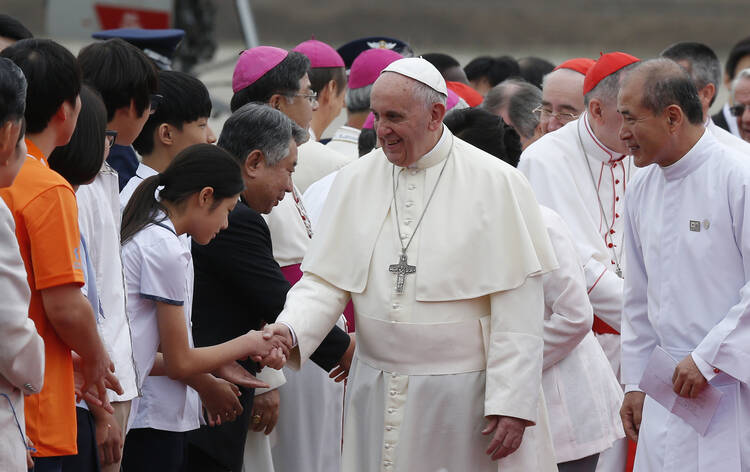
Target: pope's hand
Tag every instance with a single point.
(631, 411)
(687, 379)
(507, 437)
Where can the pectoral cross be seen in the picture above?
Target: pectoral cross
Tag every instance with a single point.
(402, 268)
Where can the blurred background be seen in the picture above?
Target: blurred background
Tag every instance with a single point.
(554, 30)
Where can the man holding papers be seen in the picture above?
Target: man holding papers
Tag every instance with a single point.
(688, 257)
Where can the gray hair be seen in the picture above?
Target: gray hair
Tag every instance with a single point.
(257, 126)
(606, 90)
(521, 109)
(741, 75)
(358, 99)
(428, 95)
(499, 96)
(12, 91)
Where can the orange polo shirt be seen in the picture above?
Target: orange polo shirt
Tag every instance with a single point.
(46, 215)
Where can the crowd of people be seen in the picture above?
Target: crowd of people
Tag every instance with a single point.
(483, 263)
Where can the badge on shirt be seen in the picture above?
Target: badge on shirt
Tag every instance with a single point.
(695, 226)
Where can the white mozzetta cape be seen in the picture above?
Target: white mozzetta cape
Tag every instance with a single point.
(463, 340)
(686, 290)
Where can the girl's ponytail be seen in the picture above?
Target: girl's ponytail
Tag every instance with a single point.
(141, 208)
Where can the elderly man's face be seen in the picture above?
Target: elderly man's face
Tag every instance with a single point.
(402, 122)
(742, 97)
(272, 182)
(562, 99)
(644, 133)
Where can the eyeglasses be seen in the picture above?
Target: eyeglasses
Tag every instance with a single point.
(738, 110)
(110, 136)
(311, 97)
(540, 111)
(154, 100)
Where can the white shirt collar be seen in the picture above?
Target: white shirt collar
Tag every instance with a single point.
(592, 146)
(433, 156)
(693, 159)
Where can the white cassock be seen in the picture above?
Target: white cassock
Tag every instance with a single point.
(582, 393)
(315, 161)
(346, 141)
(686, 290)
(727, 138)
(307, 436)
(464, 338)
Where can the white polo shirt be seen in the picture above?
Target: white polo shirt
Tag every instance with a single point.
(159, 267)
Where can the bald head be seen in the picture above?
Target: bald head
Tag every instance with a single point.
(665, 83)
(562, 98)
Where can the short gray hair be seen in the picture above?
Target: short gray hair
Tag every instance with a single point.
(498, 97)
(428, 95)
(607, 88)
(521, 109)
(257, 126)
(358, 99)
(741, 75)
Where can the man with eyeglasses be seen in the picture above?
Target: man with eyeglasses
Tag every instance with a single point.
(741, 99)
(581, 171)
(562, 94)
(701, 62)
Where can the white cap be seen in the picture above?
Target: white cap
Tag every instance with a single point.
(420, 70)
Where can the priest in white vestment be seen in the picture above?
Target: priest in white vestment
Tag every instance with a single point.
(441, 247)
(686, 288)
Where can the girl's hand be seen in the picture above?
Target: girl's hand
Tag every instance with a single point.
(220, 400)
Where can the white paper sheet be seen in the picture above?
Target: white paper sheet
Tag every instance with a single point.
(657, 383)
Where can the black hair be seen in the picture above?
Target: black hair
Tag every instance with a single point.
(494, 69)
(533, 69)
(487, 131)
(704, 66)
(185, 99)
(120, 72)
(320, 76)
(665, 84)
(738, 51)
(80, 160)
(283, 79)
(367, 140)
(13, 29)
(12, 91)
(441, 61)
(195, 167)
(52, 77)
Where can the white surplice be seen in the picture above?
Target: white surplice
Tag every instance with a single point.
(686, 290)
(464, 338)
(308, 433)
(315, 161)
(582, 393)
(346, 141)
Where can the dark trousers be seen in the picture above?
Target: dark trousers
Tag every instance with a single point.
(87, 459)
(585, 464)
(199, 461)
(47, 464)
(148, 450)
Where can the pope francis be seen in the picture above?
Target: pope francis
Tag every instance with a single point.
(441, 247)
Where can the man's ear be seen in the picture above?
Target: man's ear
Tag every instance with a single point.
(254, 163)
(706, 94)
(165, 134)
(437, 113)
(675, 117)
(7, 145)
(595, 110)
(275, 101)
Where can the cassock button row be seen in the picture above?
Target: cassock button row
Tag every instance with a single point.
(617, 215)
(389, 428)
(404, 235)
(412, 187)
(716, 370)
(388, 445)
(407, 222)
(617, 199)
(611, 231)
(409, 204)
(413, 172)
(396, 306)
(610, 245)
(617, 181)
(390, 412)
(393, 393)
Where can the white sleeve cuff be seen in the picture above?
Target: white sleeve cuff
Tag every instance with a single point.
(291, 331)
(706, 369)
(632, 388)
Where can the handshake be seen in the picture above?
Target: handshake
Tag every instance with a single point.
(270, 346)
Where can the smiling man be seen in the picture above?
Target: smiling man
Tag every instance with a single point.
(435, 240)
(686, 288)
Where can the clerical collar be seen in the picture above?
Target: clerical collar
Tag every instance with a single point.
(692, 160)
(592, 146)
(434, 156)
